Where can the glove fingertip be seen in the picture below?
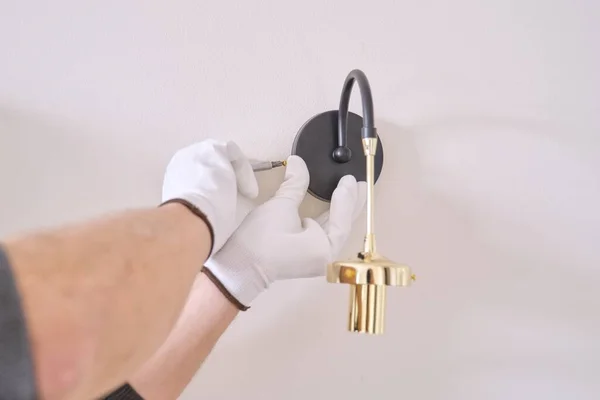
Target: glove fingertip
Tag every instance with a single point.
(246, 179)
(347, 180)
(296, 180)
(295, 166)
(345, 191)
(248, 187)
(234, 152)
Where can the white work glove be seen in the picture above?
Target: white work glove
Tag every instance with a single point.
(273, 243)
(209, 177)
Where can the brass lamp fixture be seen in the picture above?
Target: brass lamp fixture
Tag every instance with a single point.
(328, 160)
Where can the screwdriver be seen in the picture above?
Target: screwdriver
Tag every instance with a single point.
(266, 165)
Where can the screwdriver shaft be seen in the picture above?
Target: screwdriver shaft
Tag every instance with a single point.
(266, 165)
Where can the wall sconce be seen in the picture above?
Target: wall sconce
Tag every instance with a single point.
(330, 143)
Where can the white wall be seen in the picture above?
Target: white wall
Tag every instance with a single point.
(489, 115)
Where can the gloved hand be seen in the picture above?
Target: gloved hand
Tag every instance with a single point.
(273, 243)
(209, 177)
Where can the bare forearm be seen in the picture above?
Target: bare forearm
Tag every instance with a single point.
(205, 317)
(99, 298)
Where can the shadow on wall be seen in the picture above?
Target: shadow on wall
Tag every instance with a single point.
(311, 315)
(492, 214)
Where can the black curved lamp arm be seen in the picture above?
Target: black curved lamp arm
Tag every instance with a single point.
(342, 153)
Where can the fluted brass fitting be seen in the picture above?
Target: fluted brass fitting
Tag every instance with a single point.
(368, 278)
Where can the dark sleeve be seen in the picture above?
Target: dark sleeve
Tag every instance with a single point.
(17, 379)
(125, 392)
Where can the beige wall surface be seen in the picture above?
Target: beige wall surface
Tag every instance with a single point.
(488, 111)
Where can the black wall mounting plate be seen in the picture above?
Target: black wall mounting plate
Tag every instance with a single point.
(315, 143)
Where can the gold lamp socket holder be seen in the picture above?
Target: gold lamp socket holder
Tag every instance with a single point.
(368, 277)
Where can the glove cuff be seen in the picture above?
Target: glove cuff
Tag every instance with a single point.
(237, 275)
(223, 289)
(196, 211)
